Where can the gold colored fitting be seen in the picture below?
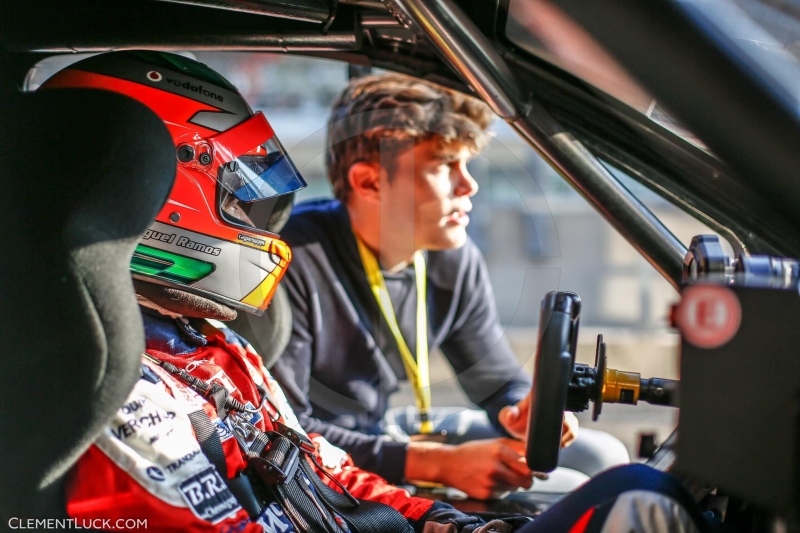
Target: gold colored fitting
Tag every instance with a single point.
(621, 387)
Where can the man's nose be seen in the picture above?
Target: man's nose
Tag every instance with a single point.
(465, 184)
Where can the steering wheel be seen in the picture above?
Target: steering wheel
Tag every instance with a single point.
(555, 357)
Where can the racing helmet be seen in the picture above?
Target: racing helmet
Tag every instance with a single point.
(230, 169)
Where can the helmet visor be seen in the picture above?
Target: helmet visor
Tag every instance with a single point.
(264, 172)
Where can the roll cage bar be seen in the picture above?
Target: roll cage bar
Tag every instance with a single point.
(749, 198)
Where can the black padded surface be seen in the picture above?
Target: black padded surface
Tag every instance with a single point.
(85, 173)
(269, 333)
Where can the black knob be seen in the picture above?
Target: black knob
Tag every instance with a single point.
(647, 445)
(185, 153)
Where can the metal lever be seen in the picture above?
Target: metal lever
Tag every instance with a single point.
(607, 385)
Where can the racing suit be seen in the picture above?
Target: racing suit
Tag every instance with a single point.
(147, 463)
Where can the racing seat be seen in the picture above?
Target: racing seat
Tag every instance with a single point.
(85, 173)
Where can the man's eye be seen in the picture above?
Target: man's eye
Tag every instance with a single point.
(442, 169)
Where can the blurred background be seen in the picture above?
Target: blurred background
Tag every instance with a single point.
(536, 233)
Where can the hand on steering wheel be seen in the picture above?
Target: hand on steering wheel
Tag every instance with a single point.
(515, 419)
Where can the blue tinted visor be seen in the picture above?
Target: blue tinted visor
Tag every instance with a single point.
(264, 172)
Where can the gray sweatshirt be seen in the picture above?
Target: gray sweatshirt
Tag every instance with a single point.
(342, 362)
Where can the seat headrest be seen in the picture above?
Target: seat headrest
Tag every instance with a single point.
(269, 333)
(85, 173)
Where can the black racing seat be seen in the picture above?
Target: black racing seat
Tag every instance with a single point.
(84, 174)
(269, 333)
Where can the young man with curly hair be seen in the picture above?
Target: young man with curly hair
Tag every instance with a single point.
(383, 274)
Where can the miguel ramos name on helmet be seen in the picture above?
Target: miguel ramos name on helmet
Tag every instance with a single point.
(184, 242)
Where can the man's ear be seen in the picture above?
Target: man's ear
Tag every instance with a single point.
(365, 180)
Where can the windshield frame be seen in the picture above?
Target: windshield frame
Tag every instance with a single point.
(725, 104)
(694, 180)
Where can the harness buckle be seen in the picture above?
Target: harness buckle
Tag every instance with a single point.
(295, 437)
(245, 434)
(279, 462)
(249, 437)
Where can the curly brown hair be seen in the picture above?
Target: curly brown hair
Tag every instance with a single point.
(394, 106)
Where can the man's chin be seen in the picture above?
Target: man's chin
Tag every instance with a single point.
(451, 239)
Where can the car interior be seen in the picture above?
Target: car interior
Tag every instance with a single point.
(694, 100)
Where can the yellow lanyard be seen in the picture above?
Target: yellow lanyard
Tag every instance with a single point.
(417, 370)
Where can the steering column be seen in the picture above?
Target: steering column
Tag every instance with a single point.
(560, 384)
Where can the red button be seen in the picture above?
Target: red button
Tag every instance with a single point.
(708, 316)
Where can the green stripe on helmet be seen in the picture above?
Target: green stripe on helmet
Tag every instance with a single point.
(169, 266)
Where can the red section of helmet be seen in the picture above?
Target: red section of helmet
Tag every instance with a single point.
(241, 139)
(193, 196)
(258, 151)
(174, 110)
